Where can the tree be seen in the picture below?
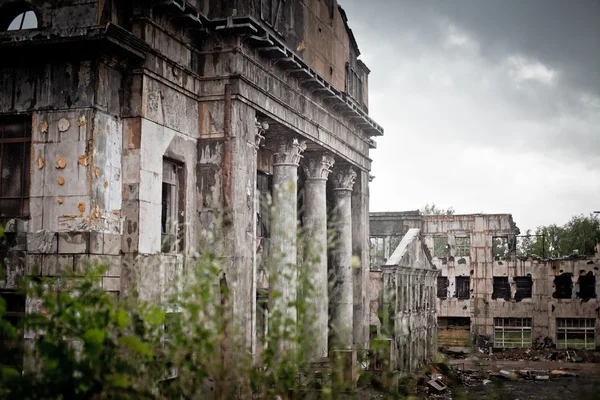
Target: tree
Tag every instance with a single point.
(580, 234)
(434, 210)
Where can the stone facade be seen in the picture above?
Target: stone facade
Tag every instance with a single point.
(149, 131)
(486, 290)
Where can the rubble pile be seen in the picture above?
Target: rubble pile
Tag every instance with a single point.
(545, 354)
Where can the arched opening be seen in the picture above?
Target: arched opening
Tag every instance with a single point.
(24, 20)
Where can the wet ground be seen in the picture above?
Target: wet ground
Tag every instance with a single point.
(586, 386)
(581, 388)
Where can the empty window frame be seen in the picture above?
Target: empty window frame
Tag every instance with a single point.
(512, 332)
(440, 247)
(501, 288)
(524, 287)
(500, 248)
(172, 207)
(587, 287)
(463, 247)
(463, 287)
(575, 333)
(563, 287)
(442, 287)
(15, 156)
(382, 247)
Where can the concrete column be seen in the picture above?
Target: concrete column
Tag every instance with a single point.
(317, 167)
(341, 296)
(284, 221)
(360, 250)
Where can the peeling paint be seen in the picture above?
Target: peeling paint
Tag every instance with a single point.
(61, 180)
(61, 163)
(83, 160)
(40, 162)
(43, 127)
(63, 125)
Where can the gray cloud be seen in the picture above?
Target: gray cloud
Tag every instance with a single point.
(488, 106)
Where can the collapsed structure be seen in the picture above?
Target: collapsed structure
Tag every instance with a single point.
(131, 132)
(486, 291)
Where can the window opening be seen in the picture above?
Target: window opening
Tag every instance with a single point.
(382, 247)
(440, 247)
(172, 206)
(463, 287)
(512, 332)
(463, 246)
(587, 287)
(500, 249)
(15, 156)
(575, 333)
(264, 186)
(442, 287)
(25, 20)
(501, 288)
(12, 346)
(563, 285)
(524, 287)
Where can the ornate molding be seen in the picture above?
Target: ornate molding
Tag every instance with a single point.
(317, 166)
(344, 178)
(288, 151)
(259, 136)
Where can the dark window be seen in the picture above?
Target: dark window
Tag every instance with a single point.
(172, 207)
(501, 288)
(524, 286)
(587, 287)
(15, 156)
(460, 323)
(463, 247)
(442, 287)
(11, 337)
(264, 186)
(563, 287)
(463, 287)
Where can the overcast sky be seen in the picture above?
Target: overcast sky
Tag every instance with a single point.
(488, 106)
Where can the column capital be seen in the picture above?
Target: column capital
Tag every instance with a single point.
(317, 166)
(344, 178)
(288, 151)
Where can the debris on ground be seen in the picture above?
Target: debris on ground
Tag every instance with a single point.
(544, 354)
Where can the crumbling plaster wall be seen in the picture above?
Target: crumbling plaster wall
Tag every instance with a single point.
(75, 190)
(543, 308)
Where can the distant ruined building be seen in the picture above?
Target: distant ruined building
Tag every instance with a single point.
(132, 131)
(488, 295)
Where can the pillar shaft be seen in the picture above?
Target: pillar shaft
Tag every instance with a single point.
(316, 168)
(341, 296)
(283, 269)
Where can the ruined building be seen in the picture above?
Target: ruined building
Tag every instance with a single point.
(403, 305)
(485, 289)
(134, 130)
